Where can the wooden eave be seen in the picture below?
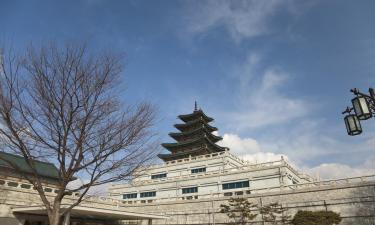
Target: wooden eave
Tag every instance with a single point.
(178, 145)
(196, 114)
(182, 126)
(212, 137)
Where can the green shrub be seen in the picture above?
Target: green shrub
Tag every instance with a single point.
(316, 218)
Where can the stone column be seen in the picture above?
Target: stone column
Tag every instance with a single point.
(149, 222)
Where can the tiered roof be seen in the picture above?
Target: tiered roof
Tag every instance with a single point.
(195, 137)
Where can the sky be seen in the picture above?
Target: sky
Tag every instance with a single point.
(274, 74)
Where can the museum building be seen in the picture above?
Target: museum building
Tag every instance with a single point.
(196, 177)
(197, 167)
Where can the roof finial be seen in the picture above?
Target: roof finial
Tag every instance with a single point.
(195, 106)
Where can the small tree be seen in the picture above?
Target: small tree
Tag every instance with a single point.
(62, 105)
(272, 212)
(240, 210)
(316, 218)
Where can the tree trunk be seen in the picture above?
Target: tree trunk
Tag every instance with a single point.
(54, 218)
(54, 214)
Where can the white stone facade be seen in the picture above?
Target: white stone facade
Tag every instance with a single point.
(217, 174)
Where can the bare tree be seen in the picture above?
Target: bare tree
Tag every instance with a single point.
(273, 212)
(239, 209)
(61, 105)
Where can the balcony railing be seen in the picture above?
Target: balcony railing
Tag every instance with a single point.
(246, 192)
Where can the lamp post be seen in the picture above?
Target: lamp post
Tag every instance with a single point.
(363, 107)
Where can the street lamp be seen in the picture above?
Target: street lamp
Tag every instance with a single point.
(363, 107)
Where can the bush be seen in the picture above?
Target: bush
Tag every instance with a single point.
(316, 218)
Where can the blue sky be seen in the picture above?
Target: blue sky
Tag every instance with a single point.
(274, 74)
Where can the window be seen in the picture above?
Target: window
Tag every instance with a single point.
(148, 194)
(158, 176)
(199, 170)
(12, 184)
(228, 194)
(234, 185)
(130, 195)
(189, 190)
(26, 186)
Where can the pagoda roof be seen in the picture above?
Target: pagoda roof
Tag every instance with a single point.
(196, 114)
(212, 137)
(183, 126)
(178, 145)
(181, 155)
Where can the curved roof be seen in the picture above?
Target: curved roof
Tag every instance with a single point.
(183, 126)
(196, 114)
(176, 146)
(181, 155)
(204, 130)
(44, 169)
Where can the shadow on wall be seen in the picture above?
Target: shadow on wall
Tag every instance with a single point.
(364, 199)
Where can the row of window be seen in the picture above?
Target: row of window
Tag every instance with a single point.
(158, 176)
(234, 185)
(189, 190)
(237, 193)
(163, 175)
(29, 186)
(129, 196)
(142, 195)
(148, 194)
(199, 170)
(153, 193)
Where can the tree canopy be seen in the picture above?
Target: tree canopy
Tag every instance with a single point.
(62, 104)
(240, 210)
(316, 218)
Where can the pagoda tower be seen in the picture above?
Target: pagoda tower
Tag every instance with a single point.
(195, 137)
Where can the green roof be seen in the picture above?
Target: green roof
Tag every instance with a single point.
(203, 130)
(196, 114)
(44, 169)
(177, 146)
(184, 126)
(181, 155)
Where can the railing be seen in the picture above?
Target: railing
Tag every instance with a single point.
(248, 167)
(245, 192)
(250, 191)
(196, 158)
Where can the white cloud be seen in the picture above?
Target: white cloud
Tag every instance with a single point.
(283, 125)
(250, 150)
(264, 109)
(337, 170)
(242, 19)
(261, 101)
(240, 146)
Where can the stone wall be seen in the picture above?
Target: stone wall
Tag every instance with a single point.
(354, 201)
